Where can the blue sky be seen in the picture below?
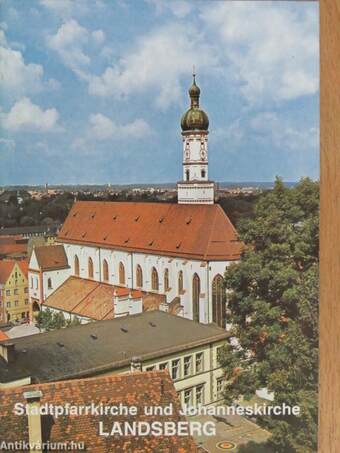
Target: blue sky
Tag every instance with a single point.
(93, 91)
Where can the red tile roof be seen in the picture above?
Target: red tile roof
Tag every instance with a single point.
(13, 249)
(201, 232)
(51, 257)
(93, 299)
(135, 389)
(3, 336)
(6, 267)
(23, 264)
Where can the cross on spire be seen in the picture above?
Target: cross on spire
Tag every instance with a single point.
(193, 73)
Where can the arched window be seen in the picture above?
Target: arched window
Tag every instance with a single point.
(121, 274)
(219, 301)
(187, 175)
(196, 289)
(49, 283)
(180, 282)
(139, 276)
(76, 265)
(154, 280)
(203, 173)
(166, 280)
(90, 268)
(105, 271)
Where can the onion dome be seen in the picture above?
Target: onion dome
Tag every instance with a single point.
(194, 118)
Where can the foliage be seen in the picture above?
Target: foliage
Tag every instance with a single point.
(48, 320)
(273, 307)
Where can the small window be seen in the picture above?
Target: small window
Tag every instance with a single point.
(219, 388)
(175, 369)
(164, 366)
(199, 362)
(49, 283)
(199, 395)
(150, 368)
(31, 282)
(203, 173)
(187, 366)
(15, 292)
(188, 397)
(16, 303)
(8, 304)
(187, 175)
(26, 301)
(8, 292)
(26, 290)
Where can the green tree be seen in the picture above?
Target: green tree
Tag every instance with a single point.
(273, 308)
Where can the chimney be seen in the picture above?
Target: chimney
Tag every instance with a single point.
(34, 420)
(7, 352)
(135, 364)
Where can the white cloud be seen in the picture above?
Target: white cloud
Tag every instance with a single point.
(65, 8)
(282, 133)
(17, 77)
(102, 128)
(273, 48)
(24, 115)
(69, 42)
(156, 64)
(269, 128)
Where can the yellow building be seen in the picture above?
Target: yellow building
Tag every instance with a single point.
(14, 301)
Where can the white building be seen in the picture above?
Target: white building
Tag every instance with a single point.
(178, 250)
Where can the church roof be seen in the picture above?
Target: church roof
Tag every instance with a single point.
(201, 232)
(51, 257)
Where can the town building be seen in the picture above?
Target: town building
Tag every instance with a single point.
(14, 297)
(154, 340)
(133, 390)
(48, 269)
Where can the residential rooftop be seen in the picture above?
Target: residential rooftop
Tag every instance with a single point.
(133, 389)
(98, 347)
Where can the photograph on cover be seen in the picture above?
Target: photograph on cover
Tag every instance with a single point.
(159, 226)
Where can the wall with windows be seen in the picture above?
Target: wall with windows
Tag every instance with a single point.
(196, 277)
(14, 298)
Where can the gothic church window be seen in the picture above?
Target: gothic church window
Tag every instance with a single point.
(105, 271)
(166, 280)
(219, 301)
(154, 280)
(196, 289)
(90, 268)
(121, 274)
(76, 265)
(139, 276)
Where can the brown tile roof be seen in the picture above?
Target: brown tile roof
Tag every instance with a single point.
(92, 299)
(13, 249)
(23, 264)
(201, 232)
(51, 257)
(135, 389)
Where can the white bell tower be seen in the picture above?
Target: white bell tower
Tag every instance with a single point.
(195, 188)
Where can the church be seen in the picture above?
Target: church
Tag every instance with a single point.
(177, 252)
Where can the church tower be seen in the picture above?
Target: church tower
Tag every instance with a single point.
(195, 188)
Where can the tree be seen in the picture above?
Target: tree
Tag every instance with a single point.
(273, 307)
(48, 320)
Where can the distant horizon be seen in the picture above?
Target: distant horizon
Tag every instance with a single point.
(150, 184)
